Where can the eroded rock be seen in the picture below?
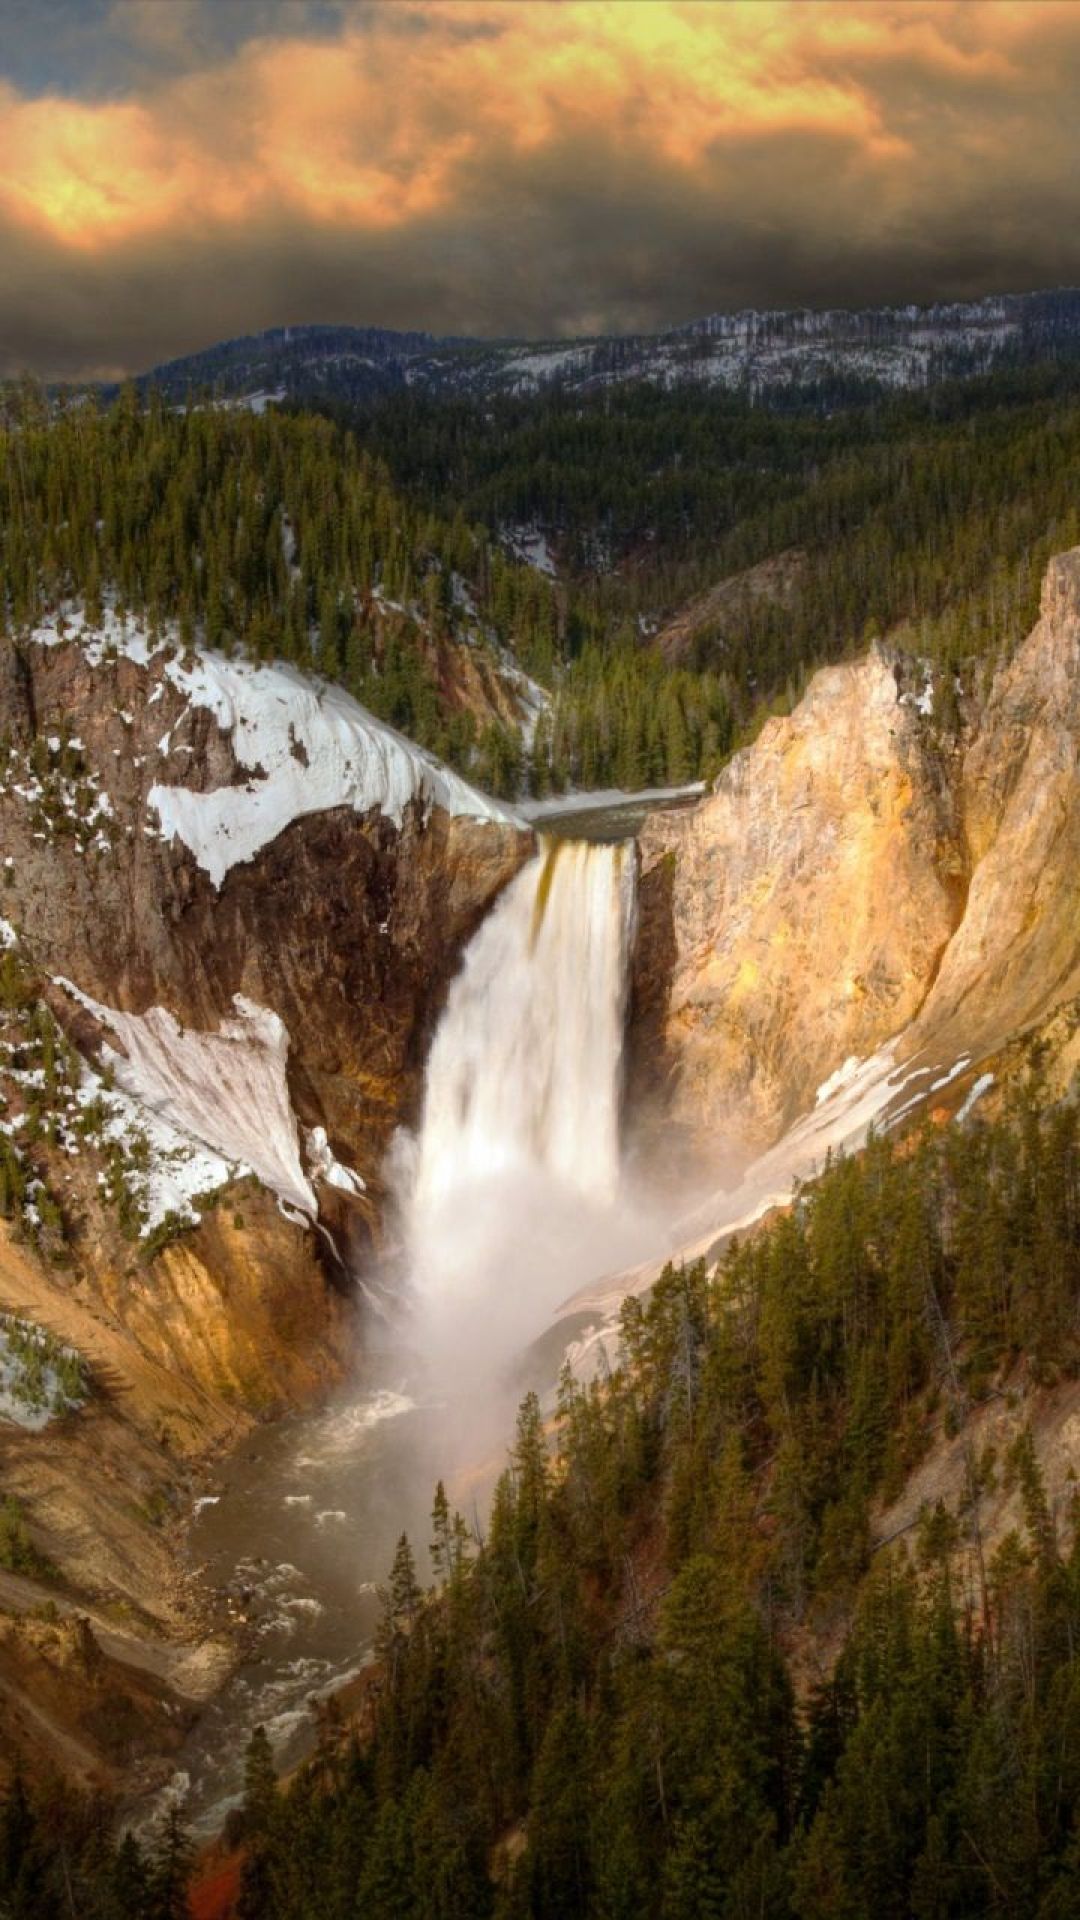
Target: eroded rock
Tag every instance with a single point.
(796, 915)
(865, 873)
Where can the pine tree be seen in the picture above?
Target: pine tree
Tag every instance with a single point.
(171, 1870)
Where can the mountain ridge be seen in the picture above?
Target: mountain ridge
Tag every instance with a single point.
(761, 351)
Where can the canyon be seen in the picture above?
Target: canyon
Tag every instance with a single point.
(868, 872)
(279, 940)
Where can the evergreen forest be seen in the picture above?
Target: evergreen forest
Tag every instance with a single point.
(683, 1674)
(924, 517)
(375, 548)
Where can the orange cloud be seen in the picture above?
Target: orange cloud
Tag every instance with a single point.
(373, 128)
(543, 165)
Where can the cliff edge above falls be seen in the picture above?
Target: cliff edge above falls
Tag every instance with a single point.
(861, 874)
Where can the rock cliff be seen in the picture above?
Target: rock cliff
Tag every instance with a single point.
(177, 837)
(864, 873)
(1015, 955)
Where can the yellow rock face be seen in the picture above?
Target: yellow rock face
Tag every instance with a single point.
(1016, 954)
(233, 1321)
(856, 875)
(804, 904)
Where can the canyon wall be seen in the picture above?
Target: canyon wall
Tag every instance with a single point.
(231, 904)
(242, 899)
(343, 920)
(865, 871)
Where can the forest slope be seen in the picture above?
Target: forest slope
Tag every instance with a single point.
(736, 1642)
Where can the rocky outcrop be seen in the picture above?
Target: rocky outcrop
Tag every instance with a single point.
(65, 1701)
(797, 914)
(1016, 953)
(862, 874)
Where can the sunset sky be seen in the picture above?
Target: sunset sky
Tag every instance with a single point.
(173, 172)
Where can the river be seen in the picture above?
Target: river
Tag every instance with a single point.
(298, 1537)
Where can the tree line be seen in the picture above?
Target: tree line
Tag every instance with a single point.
(283, 537)
(367, 546)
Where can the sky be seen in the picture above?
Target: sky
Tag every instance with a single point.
(175, 172)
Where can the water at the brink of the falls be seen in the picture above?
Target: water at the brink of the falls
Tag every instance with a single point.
(510, 1190)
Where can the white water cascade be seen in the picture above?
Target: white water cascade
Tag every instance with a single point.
(511, 1191)
(524, 1072)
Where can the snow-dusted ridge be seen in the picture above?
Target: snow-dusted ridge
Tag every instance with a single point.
(757, 352)
(307, 745)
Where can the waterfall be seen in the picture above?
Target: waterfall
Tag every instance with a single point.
(511, 1184)
(524, 1073)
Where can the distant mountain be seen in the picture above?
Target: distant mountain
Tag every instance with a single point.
(758, 353)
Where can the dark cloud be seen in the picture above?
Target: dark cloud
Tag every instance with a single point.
(905, 162)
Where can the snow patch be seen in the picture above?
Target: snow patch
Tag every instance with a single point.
(177, 1171)
(843, 1077)
(258, 402)
(529, 545)
(536, 366)
(156, 1176)
(112, 638)
(982, 1085)
(964, 1061)
(308, 747)
(40, 1378)
(325, 1167)
(227, 1089)
(348, 759)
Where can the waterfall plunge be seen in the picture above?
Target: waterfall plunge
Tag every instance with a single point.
(524, 1074)
(511, 1191)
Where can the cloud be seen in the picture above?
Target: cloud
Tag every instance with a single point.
(528, 166)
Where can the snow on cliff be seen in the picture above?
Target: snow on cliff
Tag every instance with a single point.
(306, 745)
(226, 1090)
(309, 747)
(530, 546)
